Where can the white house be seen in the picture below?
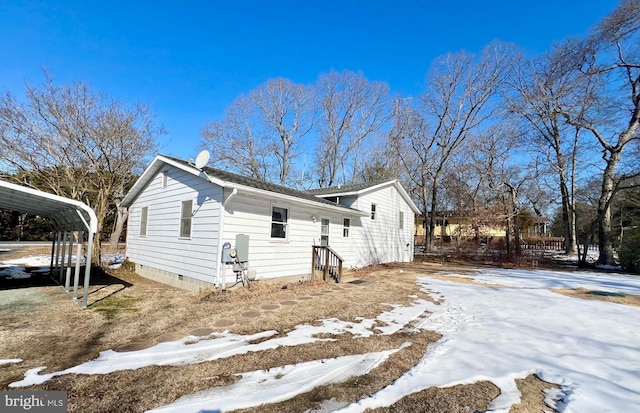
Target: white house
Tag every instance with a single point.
(182, 219)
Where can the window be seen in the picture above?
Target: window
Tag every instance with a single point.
(324, 231)
(144, 219)
(346, 224)
(401, 218)
(186, 215)
(373, 212)
(279, 222)
(165, 178)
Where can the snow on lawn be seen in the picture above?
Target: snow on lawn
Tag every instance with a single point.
(588, 347)
(14, 273)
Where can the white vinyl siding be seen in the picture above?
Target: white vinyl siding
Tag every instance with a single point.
(144, 219)
(162, 248)
(186, 214)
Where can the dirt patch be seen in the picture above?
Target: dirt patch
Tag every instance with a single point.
(532, 398)
(616, 297)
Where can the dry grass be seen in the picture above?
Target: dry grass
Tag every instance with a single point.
(48, 329)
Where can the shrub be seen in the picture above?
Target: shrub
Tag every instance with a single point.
(629, 252)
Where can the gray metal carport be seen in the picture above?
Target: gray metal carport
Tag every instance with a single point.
(68, 216)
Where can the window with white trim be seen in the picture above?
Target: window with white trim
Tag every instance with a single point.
(346, 224)
(401, 220)
(324, 231)
(186, 215)
(144, 219)
(279, 222)
(373, 212)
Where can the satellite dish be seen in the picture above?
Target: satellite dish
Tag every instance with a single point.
(202, 159)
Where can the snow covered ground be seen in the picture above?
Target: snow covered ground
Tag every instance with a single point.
(589, 348)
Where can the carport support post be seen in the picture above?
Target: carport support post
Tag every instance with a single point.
(76, 274)
(59, 237)
(62, 256)
(67, 280)
(53, 251)
(87, 269)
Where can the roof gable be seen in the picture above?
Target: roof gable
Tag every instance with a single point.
(363, 188)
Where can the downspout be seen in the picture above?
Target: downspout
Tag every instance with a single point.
(221, 279)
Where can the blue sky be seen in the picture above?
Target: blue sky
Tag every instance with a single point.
(190, 59)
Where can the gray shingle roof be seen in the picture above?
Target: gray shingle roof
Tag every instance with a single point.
(344, 188)
(260, 184)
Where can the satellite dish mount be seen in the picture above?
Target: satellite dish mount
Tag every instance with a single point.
(202, 159)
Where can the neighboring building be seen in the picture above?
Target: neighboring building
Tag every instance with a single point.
(181, 217)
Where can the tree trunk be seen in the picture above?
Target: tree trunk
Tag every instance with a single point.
(432, 218)
(121, 219)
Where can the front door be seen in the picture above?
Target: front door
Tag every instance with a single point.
(324, 231)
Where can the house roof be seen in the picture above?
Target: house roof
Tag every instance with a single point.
(359, 189)
(230, 180)
(66, 214)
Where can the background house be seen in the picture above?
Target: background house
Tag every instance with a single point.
(182, 216)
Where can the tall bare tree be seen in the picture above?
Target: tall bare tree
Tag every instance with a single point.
(610, 56)
(73, 142)
(457, 103)
(541, 86)
(351, 110)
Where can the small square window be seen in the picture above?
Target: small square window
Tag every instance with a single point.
(401, 220)
(373, 212)
(346, 224)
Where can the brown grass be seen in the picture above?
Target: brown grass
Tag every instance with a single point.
(48, 329)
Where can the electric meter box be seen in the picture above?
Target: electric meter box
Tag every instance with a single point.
(242, 248)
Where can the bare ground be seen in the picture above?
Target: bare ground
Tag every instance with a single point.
(42, 326)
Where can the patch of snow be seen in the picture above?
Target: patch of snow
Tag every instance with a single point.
(15, 273)
(9, 361)
(277, 384)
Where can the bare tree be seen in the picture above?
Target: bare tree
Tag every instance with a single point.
(541, 86)
(236, 143)
(351, 110)
(261, 132)
(610, 58)
(76, 143)
(456, 105)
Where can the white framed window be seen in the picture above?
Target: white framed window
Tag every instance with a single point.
(279, 222)
(324, 231)
(346, 225)
(144, 221)
(186, 218)
(401, 220)
(165, 178)
(373, 212)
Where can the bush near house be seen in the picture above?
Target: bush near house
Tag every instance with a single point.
(629, 253)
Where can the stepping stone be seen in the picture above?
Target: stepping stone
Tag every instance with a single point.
(305, 298)
(317, 294)
(135, 346)
(289, 302)
(169, 337)
(201, 332)
(270, 307)
(224, 323)
(251, 314)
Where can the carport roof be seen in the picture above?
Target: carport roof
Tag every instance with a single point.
(66, 214)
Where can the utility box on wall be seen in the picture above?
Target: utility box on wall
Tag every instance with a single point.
(242, 247)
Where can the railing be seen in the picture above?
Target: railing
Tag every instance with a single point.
(328, 261)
